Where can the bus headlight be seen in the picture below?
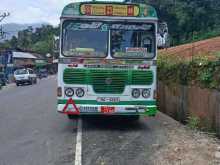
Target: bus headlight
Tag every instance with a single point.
(80, 92)
(136, 93)
(69, 92)
(146, 93)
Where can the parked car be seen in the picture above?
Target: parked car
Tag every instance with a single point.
(43, 73)
(2, 79)
(23, 76)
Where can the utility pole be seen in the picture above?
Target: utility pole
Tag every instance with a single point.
(2, 17)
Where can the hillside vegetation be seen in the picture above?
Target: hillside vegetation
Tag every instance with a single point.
(191, 64)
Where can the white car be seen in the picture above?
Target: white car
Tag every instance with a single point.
(23, 76)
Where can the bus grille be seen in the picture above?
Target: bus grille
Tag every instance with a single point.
(142, 77)
(74, 76)
(110, 81)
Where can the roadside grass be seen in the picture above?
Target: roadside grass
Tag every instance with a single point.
(202, 125)
(193, 122)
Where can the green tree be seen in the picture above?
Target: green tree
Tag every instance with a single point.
(13, 42)
(187, 18)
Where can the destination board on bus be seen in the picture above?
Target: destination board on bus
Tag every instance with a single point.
(109, 10)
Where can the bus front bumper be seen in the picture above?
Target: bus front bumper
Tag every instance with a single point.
(90, 109)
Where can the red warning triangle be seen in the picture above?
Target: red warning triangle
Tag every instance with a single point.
(70, 102)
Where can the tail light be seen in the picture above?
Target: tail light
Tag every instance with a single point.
(144, 66)
(155, 94)
(73, 65)
(59, 92)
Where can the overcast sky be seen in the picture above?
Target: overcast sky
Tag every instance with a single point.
(33, 11)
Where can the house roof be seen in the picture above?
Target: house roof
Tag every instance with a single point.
(39, 56)
(23, 55)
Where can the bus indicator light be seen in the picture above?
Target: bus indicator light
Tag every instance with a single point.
(59, 92)
(88, 10)
(109, 10)
(130, 10)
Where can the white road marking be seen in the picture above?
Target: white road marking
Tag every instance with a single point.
(78, 152)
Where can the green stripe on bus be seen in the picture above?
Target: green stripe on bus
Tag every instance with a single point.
(94, 102)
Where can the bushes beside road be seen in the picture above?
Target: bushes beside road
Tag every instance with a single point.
(200, 72)
(192, 64)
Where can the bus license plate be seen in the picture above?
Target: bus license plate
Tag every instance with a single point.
(107, 110)
(108, 99)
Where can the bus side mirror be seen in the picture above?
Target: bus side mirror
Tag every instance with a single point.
(56, 46)
(162, 36)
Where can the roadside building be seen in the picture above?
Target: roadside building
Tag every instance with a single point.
(23, 60)
(6, 62)
(12, 60)
(40, 62)
(1, 64)
(46, 63)
(55, 66)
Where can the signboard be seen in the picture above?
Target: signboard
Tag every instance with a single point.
(109, 10)
(40, 62)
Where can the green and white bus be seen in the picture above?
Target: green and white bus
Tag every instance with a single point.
(107, 61)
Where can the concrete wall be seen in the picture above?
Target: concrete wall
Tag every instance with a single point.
(180, 102)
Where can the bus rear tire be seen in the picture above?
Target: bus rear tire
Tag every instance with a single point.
(35, 81)
(133, 118)
(72, 117)
(31, 82)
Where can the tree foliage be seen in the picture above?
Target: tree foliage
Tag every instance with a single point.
(188, 20)
(39, 40)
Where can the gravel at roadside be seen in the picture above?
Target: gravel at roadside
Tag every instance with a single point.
(186, 147)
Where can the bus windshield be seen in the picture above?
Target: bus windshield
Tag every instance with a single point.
(132, 40)
(84, 39)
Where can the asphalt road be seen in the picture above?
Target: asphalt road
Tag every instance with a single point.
(33, 133)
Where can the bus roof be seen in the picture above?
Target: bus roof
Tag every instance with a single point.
(114, 9)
